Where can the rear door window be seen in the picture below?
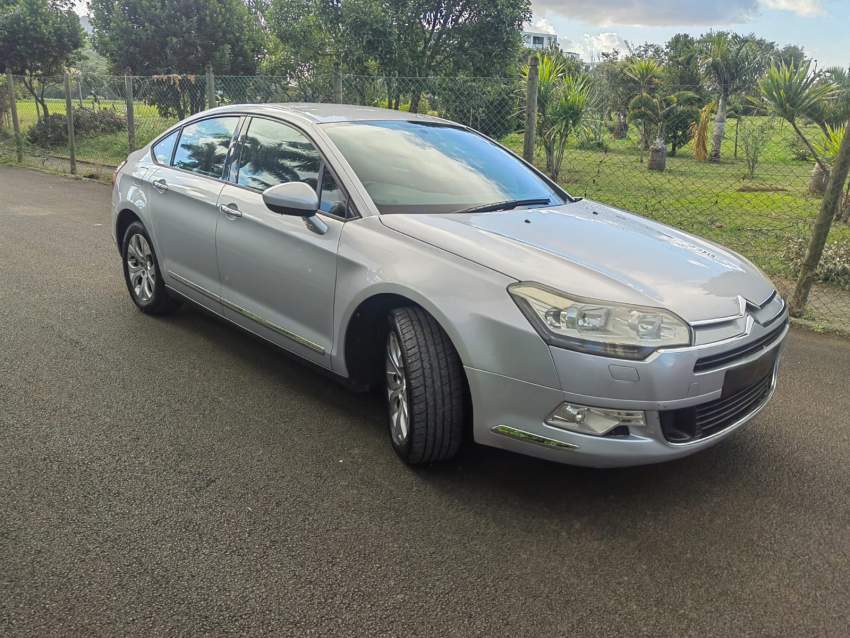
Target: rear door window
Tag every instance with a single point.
(203, 146)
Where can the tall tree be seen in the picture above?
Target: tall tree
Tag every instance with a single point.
(166, 37)
(404, 38)
(37, 39)
(681, 64)
(177, 36)
(730, 63)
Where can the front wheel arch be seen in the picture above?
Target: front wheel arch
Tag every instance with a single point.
(366, 332)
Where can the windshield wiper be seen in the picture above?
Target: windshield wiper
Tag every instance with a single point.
(508, 204)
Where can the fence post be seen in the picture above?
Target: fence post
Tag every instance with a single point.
(530, 110)
(337, 83)
(69, 116)
(16, 127)
(131, 119)
(210, 87)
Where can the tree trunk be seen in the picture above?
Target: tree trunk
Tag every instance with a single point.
(719, 128)
(831, 201)
(658, 156)
(414, 101)
(818, 181)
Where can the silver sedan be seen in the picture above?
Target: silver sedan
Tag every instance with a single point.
(413, 254)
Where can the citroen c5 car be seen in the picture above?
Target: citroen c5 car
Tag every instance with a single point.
(414, 254)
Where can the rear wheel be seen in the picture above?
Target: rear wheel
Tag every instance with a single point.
(424, 388)
(142, 273)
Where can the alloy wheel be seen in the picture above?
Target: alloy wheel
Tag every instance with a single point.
(141, 269)
(397, 391)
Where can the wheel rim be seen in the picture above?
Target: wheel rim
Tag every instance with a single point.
(140, 268)
(397, 391)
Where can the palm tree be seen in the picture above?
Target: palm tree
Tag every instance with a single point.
(565, 115)
(728, 61)
(645, 74)
(656, 111)
(793, 91)
(550, 75)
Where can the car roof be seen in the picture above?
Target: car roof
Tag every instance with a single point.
(323, 113)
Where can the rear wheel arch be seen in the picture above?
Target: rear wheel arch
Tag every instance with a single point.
(122, 223)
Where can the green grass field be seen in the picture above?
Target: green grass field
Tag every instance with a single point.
(759, 217)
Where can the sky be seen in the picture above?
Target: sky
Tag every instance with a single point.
(588, 27)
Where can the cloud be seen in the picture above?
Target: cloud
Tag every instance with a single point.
(800, 7)
(591, 46)
(670, 12)
(541, 25)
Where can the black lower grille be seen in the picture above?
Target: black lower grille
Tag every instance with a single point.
(713, 361)
(698, 422)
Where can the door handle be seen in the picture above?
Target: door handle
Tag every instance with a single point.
(160, 185)
(230, 210)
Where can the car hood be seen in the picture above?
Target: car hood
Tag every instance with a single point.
(590, 250)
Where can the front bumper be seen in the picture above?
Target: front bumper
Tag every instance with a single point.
(509, 413)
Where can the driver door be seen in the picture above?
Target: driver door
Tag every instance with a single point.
(278, 272)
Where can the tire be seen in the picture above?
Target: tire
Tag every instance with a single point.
(142, 273)
(424, 378)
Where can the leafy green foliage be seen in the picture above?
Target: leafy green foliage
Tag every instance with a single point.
(37, 39)
(177, 36)
(792, 91)
(53, 130)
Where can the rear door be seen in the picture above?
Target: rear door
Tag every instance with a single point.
(184, 199)
(278, 272)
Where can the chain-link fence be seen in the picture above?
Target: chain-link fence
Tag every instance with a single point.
(760, 198)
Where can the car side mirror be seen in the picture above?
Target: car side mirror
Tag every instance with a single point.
(292, 198)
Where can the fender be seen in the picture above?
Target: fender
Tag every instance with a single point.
(468, 300)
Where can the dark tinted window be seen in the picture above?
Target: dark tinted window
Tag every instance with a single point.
(162, 150)
(203, 146)
(333, 199)
(413, 167)
(273, 153)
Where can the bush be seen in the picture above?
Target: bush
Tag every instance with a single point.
(799, 150)
(53, 131)
(834, 264)
(98, 121)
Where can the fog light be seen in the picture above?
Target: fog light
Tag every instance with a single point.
(597, 421)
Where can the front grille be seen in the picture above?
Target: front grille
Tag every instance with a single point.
(704, 364)
(701, 421)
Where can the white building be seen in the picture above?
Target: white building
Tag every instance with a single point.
(539, 40)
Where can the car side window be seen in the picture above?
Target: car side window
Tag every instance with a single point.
(273, 153)
(332, 200)
(164, 148)
(203, 145)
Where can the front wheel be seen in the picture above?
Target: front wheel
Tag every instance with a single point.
(424, 388)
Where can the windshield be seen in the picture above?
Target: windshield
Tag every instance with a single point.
(420, 167)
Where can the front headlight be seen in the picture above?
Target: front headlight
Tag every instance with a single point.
(599, 327)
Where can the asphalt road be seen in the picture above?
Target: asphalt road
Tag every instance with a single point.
(175, 476)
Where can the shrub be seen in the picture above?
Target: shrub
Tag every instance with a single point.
(97, 121)
(53, 131)
(799, 150)
(834, 265)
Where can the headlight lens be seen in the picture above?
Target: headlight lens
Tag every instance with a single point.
(599, 327)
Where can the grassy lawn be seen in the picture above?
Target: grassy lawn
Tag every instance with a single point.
(111, 148)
